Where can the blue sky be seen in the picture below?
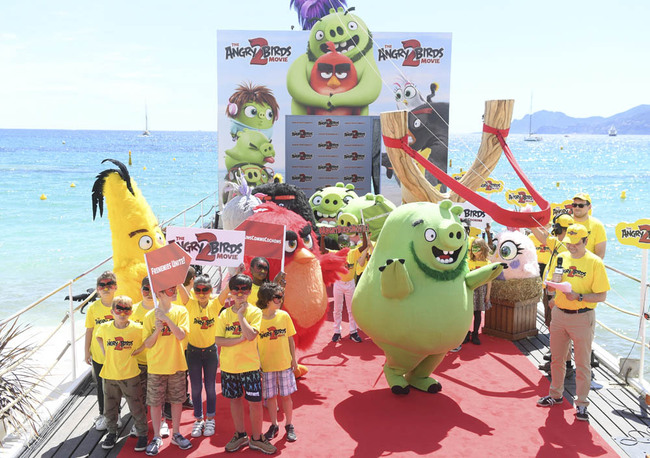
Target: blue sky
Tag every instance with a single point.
(71, 64)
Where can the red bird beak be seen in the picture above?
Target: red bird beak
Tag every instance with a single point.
(334, 82)
(303, 256)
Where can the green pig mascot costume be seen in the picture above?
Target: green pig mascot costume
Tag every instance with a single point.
(350, 37)
(415, 297)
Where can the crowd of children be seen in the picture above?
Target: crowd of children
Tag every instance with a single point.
(145, 352)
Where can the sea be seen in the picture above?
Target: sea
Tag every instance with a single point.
(48, 235)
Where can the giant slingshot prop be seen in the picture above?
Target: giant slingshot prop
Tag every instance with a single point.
(416, 188)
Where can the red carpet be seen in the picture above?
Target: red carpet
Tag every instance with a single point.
(343, 407)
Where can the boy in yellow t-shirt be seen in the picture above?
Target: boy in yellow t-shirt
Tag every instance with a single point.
(278, 358)
(236, 334)
(120, 341)
(164, 329)
(99, 312)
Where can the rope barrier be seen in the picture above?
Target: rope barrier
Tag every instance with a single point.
(618, 334)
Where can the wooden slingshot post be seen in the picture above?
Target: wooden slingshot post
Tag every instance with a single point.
(415, 187)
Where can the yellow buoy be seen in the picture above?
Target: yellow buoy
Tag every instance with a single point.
(557, 184)
(63, 142)
(561, 148)
(43, 197)
(461, 170)
(623, 194)
(144, 168)
(449, 162)
(72, 185)
(130, 161)
(174, 159)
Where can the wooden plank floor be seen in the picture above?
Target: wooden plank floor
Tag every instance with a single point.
(617, 412)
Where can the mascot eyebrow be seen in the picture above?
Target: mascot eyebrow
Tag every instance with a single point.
(417, 221)
(304, 232)
(138, 231)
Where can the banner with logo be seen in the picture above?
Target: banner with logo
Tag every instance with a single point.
(209, 247)
(413, 74)
(323, 150)
(477, 217)
(634, 234)
(264, 239)
(167, 266)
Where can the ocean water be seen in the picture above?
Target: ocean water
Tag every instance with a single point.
(44, 243)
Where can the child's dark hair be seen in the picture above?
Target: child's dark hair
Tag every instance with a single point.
(239, 280)
(107, 275)
(191, 273)
(266, 293)
(202, 280)
(122, 301)
(259, 259)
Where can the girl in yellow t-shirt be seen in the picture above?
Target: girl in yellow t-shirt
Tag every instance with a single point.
(277, 357)
(478, 258)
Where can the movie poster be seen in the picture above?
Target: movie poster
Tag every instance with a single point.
(265, 76)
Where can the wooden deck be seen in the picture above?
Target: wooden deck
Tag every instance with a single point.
(617, 413)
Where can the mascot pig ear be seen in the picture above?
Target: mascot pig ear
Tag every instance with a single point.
(349, 186)
(457, 210)
(232, 109)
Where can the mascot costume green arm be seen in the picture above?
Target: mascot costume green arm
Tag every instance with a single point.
(415, 298)
(351, 37)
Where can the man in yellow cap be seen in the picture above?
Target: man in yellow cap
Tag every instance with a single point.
(574, 317)
(597, 241)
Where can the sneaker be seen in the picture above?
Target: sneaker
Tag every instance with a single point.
(548, 401)
(197, 429)
(100, 423)
(164, 429)
(547, 356)
(475, 339)
(336, 337)
(582, 414)
(237, 442)
(272, 432)
(154, 446)
(263, 445)
(208, 428)
(457, 349)
(546, 367)
(467, 337)
(182, 442)
(133, 432)
(356, 337)
(188, 404)
(141, 445)
(109, 442)
(291, 434)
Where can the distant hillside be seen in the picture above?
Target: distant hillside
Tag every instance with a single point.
(631, 122)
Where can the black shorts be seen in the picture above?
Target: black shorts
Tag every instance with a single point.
(233, 386)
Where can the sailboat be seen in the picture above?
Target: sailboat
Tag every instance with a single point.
(146, 122)
(531, 137)
(612, 131)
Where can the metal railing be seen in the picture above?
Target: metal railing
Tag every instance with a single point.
(69, 316)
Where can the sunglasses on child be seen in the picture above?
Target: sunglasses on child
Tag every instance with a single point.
(107, 284)
(241, 288)
(146, 290)
(579, 205)
(278, 297)
(123, 310)
(202, 289)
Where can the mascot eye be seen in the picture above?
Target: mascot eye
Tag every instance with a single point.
(430, 235)
(509, 250)
(319, 35)
(352, 25)
(145, 242)
(269, 114)
(250, 111)
(341, 75)
(290, 246)
(317, 200)
(159, 238)
(308, 242)
(347, 199)
(409, 92)
(326, 75)
(398, 95)
(417, 123)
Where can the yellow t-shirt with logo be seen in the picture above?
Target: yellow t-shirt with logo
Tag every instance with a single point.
(596, 230)
(252, 297)
(97, 314)
(543, 251)
(349, 275)
(586, 275)
(273, 342)
(242, 357)
(119, 345)
(354, 255)
(167, 356)
(202, 322)
(139, 312)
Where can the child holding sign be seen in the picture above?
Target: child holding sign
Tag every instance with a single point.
(120, 341)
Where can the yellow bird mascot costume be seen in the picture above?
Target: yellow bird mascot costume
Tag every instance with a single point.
(134, 227)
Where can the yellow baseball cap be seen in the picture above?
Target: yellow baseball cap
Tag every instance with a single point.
(564, 221)
(583, 196)
(576, 232)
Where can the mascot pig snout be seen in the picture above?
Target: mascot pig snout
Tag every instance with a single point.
(451, 234)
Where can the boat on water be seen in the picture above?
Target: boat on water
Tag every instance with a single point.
(531, 137)
(612, 131)
(146, 122)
